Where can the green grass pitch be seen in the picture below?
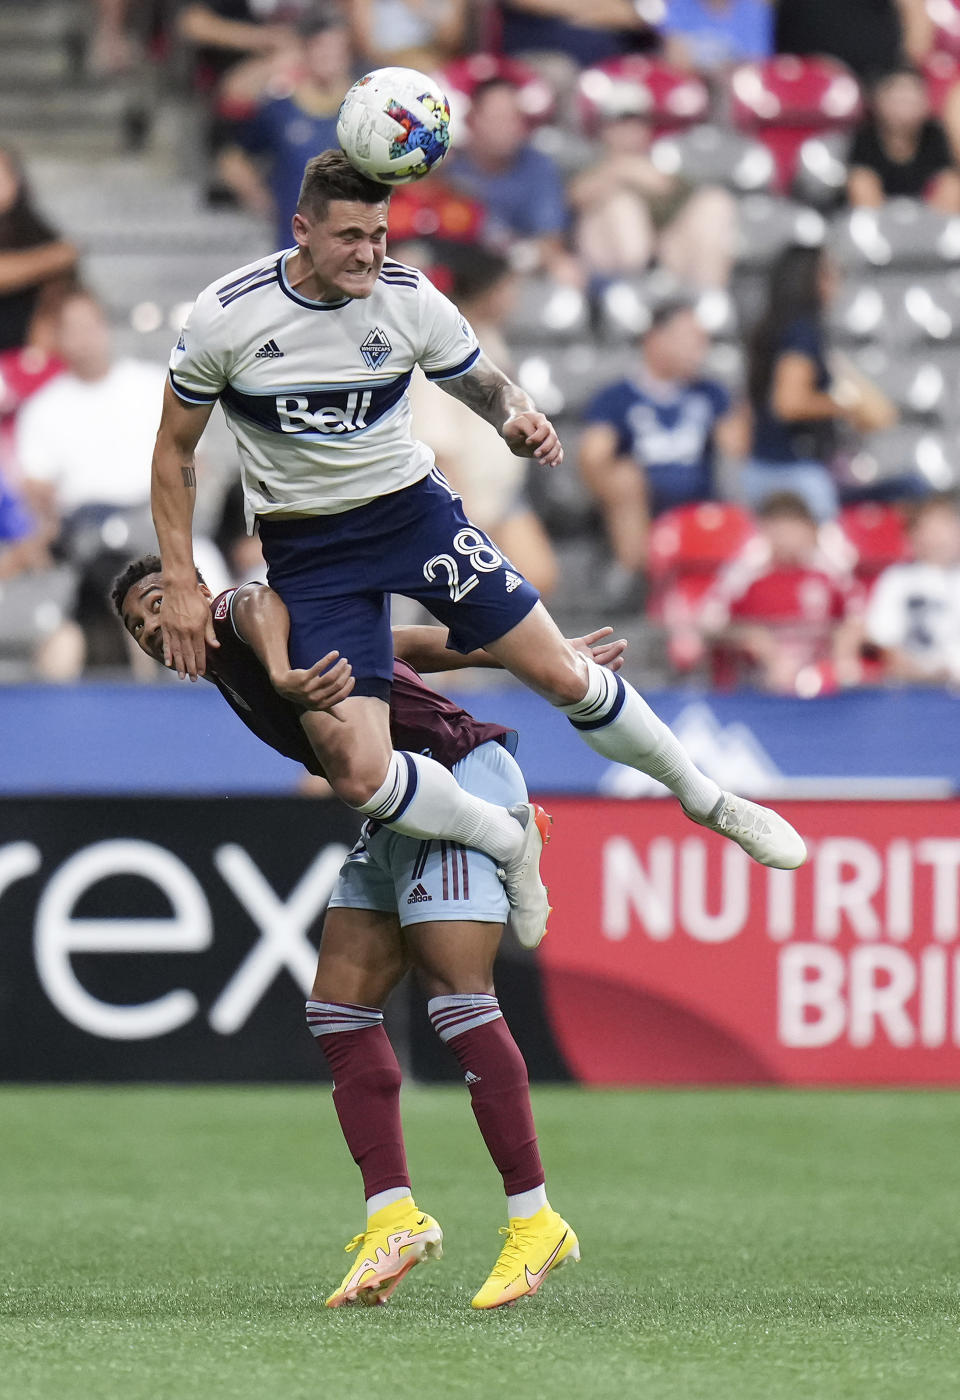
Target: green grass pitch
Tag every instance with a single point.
(177, 1244)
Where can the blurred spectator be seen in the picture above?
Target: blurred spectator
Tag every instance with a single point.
(112, 49)
(240, 47)
(584, 33)
(34, 262)
(421, 34)
(265, 165)
(796, 401)
(785, 619)
(870, 36)
(240, 552)
(520, 188)
(84, 445)
(652, 438)
(914, 610)
(900, 149)
(710, 35)
(86, 438)
(628, 212)
(475, 459)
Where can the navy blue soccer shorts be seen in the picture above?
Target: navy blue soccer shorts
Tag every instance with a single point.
(335, 573)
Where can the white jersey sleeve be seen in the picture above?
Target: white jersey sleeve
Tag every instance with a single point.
(201, 360)
(448, 345)
(886, 620)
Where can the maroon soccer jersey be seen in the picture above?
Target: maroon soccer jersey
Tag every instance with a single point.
(421, 720)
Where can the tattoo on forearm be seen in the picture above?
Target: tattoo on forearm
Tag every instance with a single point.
(489, 392)
(189, 475)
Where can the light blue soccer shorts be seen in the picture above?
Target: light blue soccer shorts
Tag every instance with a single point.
(435, 881)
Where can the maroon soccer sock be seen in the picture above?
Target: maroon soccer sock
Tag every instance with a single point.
(474, 1028)
(366, 1091)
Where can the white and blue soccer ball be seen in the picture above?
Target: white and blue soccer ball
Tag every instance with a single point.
(394, 125)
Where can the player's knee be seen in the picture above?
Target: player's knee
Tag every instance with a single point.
(357, 785)
(566, 682)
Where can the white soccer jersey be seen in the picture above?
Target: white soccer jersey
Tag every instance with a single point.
(916, 608)
(316, 393)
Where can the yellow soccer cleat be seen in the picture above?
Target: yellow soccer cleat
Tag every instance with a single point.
(396, 1238)
(534, 1248)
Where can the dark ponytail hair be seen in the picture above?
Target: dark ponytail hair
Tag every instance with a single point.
(793, 295)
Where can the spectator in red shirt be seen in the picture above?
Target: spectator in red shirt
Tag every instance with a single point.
(781, 615)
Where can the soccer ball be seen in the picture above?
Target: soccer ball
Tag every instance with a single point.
(394, 125)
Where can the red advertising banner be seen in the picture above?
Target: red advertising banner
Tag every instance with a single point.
(673, 958)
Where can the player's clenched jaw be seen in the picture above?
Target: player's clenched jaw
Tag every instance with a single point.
(340, 253)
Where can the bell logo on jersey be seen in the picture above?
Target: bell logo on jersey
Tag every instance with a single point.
(376, 348)
(296, 416)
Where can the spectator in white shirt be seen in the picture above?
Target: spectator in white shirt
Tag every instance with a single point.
(914, 611)
(86, 438)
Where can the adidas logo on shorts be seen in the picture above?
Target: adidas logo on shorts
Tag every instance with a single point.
(270, 351)
(513, 581)
(419, 896)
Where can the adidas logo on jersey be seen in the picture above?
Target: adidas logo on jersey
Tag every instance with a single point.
(513, 581)
(419, 896)
(471, 1078)
(270, 351)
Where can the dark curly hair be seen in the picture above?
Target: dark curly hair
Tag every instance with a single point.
(133, 573)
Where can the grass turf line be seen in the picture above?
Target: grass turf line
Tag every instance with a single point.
(738, 1245)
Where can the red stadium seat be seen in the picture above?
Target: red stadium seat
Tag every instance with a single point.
(432, 209)
(942, 72)
(786, 100)
(877, 533)
(697, 539)
(673, 98)
(463, 76)
(945, 17)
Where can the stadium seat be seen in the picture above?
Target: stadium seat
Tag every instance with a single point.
(549, 311)
(672, 98)
(564, 380)
(877, 534)
(463, 76)
(786, 100)
(559, 497)
(861, 311)
(927, 311)
(697, 539)
(904, 235)
(625, 306)
(820, 176)
(768, 224)
(901, 462)
(945, 17)
(32, 606)
(918, 384)
(942, 71)
(715, 155)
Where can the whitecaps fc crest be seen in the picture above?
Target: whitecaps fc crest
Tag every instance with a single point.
(375, 348)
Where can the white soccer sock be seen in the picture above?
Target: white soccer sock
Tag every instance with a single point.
(419, 797)
(387, 1198)
(527, 1203)
(617, 722)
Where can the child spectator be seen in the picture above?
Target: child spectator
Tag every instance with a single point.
(651, 439)
(901, 149)
(786, 620)
(34, 261)
(914, 610)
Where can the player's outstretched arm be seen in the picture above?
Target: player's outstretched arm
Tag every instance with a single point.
(495, 397)
(261, 618)
(184, 612)
(425, 648)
